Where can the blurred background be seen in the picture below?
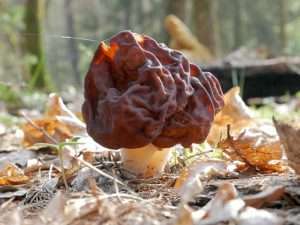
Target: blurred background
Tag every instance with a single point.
(48, 44)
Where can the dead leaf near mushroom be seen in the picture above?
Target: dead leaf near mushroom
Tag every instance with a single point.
(202, 168)
(289, 134)
(235, 113)
(251, 141)
(271, 194)
(227, 207)
(255, 149)
(58, 122)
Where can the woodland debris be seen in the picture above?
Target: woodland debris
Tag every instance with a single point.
(12, 175)
(289, 134)
(226, 206)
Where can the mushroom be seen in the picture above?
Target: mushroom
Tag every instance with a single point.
(144, 98)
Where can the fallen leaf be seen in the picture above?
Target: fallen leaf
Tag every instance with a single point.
(185, 216)
(202, 168)
(256, 148)
(56, 108)
(12, 175)
(11, 191)
(227, 207)
(234, 109)
(269, 195)
(252, 216)
(290, 138)
(11, 140)
(2, 129)
(19, 158)
(37, 131)
(58, 123)
(234, 113)
(54, 213)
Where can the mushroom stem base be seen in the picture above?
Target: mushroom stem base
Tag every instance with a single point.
(147, 161)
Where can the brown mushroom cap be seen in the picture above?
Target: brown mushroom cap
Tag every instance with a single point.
(138, 92)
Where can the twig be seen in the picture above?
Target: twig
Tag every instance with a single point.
(116, 187)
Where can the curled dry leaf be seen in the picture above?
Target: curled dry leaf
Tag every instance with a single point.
(189, 182)
(255, 148)
(185, 216)
(252, 142)
(202, 169)
(59, 123)
(54, 213)
(35, 132)
(227, 207)
(252, 216)
(56, 108)
(269, 195)
(290, 138)
(235, 113)
(12, 175)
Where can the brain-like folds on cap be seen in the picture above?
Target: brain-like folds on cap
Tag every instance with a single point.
(138, 92)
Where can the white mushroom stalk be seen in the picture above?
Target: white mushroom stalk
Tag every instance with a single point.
(147, 161)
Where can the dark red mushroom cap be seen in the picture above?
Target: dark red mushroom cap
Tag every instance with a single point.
(138, 92)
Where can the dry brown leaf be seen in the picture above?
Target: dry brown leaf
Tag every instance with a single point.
(253, 142)
(290, 138)
(203, 168)
(185, 216)
(57, 109)
(256, 149)
(51, 126)
(252, 216)
(227, 207)
(235, 113)
(12, 175)
(269, 195)
(234, 109)
(58, 122)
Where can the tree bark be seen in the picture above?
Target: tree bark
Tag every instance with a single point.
(206, 23)
(282, 24)
(237, 22)
(33, 43)
(177, 8)
(73, 49)
(127, 9)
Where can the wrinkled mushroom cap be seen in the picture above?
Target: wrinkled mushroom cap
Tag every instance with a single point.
(138, 92)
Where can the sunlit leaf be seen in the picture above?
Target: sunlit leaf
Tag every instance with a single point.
(256, 149)
(290, 138)
(269, 195)
(58, 124)
(12, 175)
(235, 113)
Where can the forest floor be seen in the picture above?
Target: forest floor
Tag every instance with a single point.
(99, 191)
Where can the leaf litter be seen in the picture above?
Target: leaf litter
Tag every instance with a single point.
(250, 182)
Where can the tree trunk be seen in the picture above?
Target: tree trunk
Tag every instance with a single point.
(206, 23)
(177, 8)
(282, 24)
(73, 50)
(237, 23)
(126, 6)
(33, 43)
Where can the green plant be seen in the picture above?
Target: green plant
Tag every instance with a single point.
(59, 147)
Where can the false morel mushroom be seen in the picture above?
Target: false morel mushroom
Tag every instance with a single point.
(141, 96)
